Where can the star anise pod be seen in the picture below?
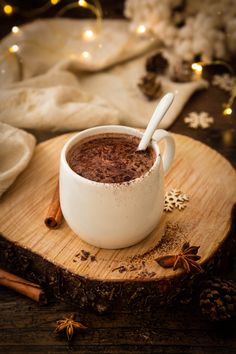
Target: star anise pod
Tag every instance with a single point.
(186, 259)
(68, 325)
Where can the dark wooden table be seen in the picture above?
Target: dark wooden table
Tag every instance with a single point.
(26, 327)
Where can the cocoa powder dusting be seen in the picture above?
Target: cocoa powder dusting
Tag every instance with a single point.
(120, 269)
(84, 256)
(110, 158)
(172, 239)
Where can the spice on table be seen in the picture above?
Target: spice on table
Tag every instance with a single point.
(85, 255)
(121, 269)
(186, 259)
(68, 325)
(22, 286)
(54, 215)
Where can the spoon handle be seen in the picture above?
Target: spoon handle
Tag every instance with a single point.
(157, 116)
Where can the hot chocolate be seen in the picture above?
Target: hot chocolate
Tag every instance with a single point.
(110, 158)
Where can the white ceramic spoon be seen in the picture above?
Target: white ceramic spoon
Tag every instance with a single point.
(157, 116)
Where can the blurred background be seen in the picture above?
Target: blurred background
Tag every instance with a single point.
(26, 11)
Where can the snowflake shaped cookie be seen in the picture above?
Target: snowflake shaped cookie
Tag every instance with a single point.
(175, 199)
(198, 120)
(225, 82)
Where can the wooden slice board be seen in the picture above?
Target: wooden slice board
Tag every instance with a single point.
(200, 172)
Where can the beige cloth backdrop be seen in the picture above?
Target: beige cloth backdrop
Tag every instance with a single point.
(48, 84)
(16, 149)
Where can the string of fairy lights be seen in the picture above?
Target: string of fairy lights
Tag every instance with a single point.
(90, 33)
(198, 69)
(9, 10)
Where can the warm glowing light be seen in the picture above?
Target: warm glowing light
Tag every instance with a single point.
(8, 9)
(227, 111)
(14, 48)
(88, 34)
(227, 137)
(197, 68)
(86, 55)
(15, 29)
(141, 29)
(82, 3)
(54, 2)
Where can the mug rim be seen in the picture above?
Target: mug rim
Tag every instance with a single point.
(103, 129)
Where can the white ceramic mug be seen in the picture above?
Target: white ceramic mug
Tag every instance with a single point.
(114, 215)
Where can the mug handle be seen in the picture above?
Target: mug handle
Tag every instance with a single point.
(169, 151)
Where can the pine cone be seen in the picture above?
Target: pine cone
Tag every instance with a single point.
(218, 299)
(150, 86)
(181, 72)
(156, 64)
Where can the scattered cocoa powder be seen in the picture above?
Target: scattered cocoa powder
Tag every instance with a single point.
(146, 273)
(120, 269)
(84, 256)
(172, 238)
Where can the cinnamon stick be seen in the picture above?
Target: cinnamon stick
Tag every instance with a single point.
(54, 215)
(22, 286)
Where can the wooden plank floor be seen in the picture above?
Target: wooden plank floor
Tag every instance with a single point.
(26, 327)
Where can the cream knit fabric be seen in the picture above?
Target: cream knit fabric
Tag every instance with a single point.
(16, 149)
(51, 84)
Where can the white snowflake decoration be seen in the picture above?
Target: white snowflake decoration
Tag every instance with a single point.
(175, 199)
(225, 82)
(198, 120)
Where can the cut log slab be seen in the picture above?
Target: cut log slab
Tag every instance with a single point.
(72, 270)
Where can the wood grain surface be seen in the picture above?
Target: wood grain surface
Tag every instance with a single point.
(27, 328)
(198, 171)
